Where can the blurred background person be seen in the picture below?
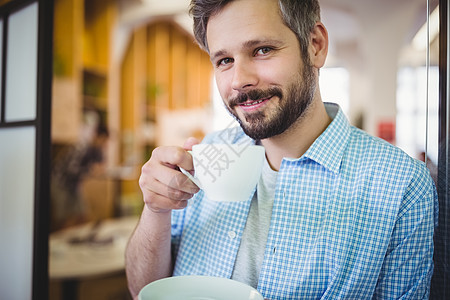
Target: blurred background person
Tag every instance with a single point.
(70, 168)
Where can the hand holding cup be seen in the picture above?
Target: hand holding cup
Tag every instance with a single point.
(163, 187)
(227, 172)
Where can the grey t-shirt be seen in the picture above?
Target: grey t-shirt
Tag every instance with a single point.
(254, 238)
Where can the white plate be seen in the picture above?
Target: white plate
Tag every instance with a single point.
(198, 288)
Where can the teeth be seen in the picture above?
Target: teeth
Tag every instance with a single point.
(253, 103)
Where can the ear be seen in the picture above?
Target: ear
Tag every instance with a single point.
(318, 47)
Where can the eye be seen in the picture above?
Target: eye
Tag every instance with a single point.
(263, 50)
(225, 61)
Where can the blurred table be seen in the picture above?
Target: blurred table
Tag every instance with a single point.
(90, 250)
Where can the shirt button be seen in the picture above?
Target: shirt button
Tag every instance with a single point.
(231, 234)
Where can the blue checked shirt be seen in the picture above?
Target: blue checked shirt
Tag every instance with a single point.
(353, 218)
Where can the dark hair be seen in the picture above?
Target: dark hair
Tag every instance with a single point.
(102, 130)
(299, 15)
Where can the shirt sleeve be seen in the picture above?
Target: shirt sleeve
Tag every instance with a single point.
(408, 265)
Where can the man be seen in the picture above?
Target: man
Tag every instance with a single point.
(337, 214)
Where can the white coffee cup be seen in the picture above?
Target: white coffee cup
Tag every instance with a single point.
(227, 172)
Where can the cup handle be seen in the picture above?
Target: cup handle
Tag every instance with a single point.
(189, 175)
(192, 178)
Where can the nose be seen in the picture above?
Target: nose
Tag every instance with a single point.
(244, 75)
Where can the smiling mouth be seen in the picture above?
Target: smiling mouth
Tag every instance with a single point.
(252, 103)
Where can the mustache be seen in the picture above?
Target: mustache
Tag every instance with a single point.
(254, 95)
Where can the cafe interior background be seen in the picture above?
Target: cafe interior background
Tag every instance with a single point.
(131, 69)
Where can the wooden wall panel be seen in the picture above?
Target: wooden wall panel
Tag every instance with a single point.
(152, 88)
(162, 66)
(163, 70)
(96, 36)
(193, 64)
(67, 31)
(178, 70)
(127, 90)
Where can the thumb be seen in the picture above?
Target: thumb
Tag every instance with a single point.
(190, 142)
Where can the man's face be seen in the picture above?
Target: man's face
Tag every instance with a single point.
(258, 67)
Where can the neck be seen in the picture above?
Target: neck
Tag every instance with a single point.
(294, 142)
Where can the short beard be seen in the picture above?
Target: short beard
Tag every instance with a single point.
(293, 106)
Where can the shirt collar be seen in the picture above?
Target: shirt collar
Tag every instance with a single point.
(328, 149)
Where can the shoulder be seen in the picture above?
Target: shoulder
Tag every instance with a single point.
(379, 164)
(375, 151)
(385, 163)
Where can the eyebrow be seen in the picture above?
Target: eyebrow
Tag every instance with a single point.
(246, 45)
(217, 54)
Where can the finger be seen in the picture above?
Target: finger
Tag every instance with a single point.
(181, 182)
(157, 188)
(167, 182)
(160, 197)
(167, 177)
(173, 157)
(190, 142)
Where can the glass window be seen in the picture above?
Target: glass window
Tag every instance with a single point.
(412, 130)
(21, 67)
(17, 168)
(334, 86)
